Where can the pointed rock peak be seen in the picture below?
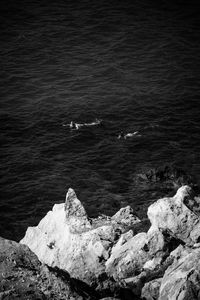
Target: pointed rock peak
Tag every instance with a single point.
(73, 206)
(71, 194)
(184, 193)
(126, 216)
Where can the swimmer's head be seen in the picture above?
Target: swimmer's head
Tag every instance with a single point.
(121, 135)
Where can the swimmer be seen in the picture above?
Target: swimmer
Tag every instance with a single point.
(77, 126)
(131, 134)
(72, 125)
(121, 135)
(96, 122)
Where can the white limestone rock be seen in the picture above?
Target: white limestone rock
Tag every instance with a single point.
(133, 254)
(150, 291)
(125, 216)
(135, 258)
(65, 238)
(156, 240)
(127, 256)
(181, 279)
(172, 215)
(76, 216)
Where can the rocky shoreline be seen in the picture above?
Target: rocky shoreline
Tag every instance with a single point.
(71, 256)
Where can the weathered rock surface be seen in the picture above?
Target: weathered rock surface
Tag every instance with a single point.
(145, 257)
(22, 276)
(110, 253)
(66, 238)
(181, 281)
(128, 256)
(172, 215)
(75, 214)
(125, 217)
(150, 291)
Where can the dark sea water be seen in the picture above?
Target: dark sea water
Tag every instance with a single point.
(133, 64)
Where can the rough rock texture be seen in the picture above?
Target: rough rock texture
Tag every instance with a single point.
(145, 257)
(181, 281)
(65, 238)
(151, 289)
(23, 277)
(127, 256)
(110, 253)
(125, 217)
(139, 254)
(76, 216)
(172, 215)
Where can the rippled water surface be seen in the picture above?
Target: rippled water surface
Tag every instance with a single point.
(133, 64)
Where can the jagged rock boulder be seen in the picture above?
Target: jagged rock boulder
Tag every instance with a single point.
(68, 239)
(144, 257)
(181, 280)
(151, 284)
(173, 216)
(125, 217)
(22, 276)
(150, 291)
(135, 254)
(127, 256)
